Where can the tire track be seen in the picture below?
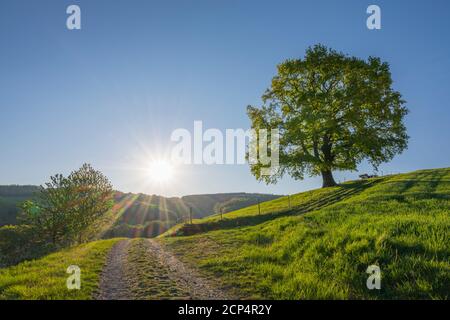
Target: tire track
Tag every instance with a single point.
(184, 276)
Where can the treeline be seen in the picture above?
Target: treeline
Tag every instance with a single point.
(66, 210)
(10, 197)
(14, 190)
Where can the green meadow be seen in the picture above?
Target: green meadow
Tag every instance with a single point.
(46, 278)
(322, 249)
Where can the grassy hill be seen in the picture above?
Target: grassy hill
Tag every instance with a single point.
(321, 248)
(283, 206)
(314, 245)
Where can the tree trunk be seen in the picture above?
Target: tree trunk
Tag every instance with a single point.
(328, 180)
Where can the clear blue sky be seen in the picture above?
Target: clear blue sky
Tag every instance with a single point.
(111, 93)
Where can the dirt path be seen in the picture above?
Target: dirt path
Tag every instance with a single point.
(144, 269)
(189, 279)
(113, 284)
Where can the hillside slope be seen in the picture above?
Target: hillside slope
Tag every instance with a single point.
(319, 248)
(400, 223)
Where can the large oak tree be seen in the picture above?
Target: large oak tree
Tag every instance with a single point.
(332, 111)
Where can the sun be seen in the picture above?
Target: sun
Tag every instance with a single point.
(160, 171)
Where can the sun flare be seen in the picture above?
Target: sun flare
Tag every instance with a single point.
(160, 171)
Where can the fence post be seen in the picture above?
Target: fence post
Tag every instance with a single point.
(221, 213)
(289, 201)
(190, 214)
(259, 207)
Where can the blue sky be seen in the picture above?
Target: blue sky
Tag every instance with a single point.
(111, 93)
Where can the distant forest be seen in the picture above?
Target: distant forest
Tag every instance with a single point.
(141, 214)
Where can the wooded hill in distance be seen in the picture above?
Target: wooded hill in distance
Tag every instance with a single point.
(141, 214)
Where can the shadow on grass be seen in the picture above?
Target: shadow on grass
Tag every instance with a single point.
(431, 180)
(411, 197)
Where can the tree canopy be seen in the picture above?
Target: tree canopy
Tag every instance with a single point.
(67, 207)
(332, 112)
